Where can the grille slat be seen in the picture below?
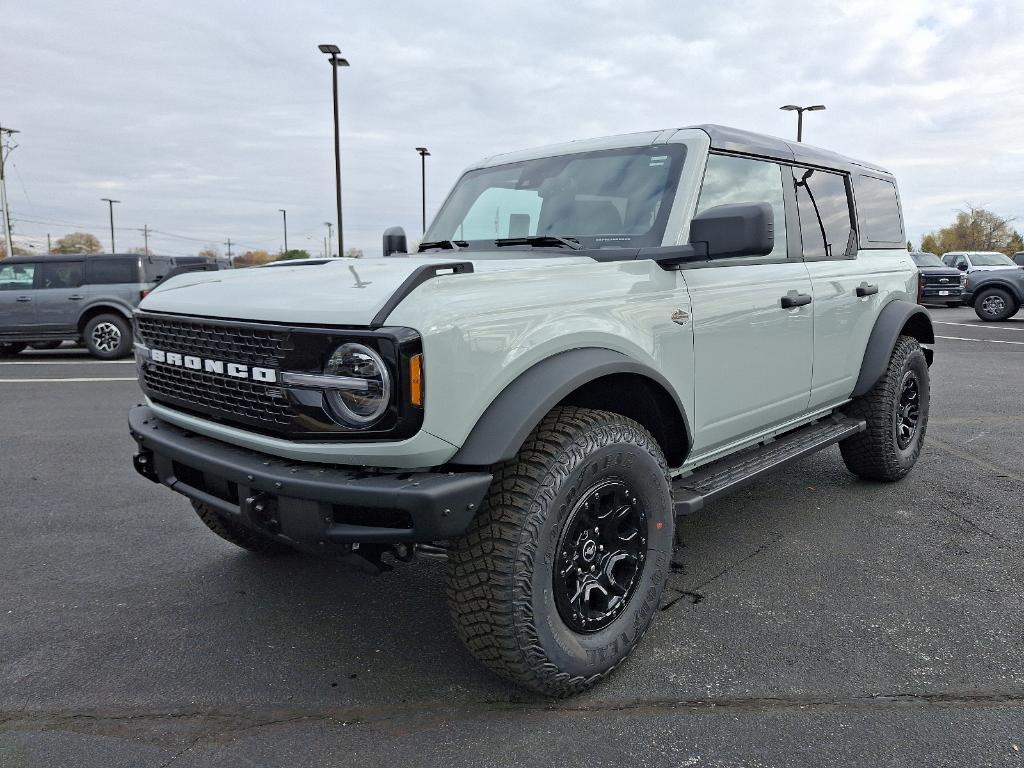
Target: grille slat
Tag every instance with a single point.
(237, 344)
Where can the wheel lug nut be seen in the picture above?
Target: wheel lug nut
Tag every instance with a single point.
(593, 568)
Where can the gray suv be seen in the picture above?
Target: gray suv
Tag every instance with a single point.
(49, 299)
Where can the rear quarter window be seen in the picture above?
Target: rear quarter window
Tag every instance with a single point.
(878, 211)
(111, 271)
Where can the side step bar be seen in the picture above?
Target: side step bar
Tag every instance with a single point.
(693, 491)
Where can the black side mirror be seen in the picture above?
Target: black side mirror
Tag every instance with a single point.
(961, 266)
(739, 229)
(395, 242)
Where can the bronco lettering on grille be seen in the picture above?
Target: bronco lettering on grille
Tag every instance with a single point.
(235, 370)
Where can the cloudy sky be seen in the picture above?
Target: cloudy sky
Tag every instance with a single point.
(206, 118)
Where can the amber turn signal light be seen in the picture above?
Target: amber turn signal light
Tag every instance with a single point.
(416, 380)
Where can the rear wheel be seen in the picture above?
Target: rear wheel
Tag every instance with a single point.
(108, 337)
(994, 304)
(238, 534)
(11, 347)
(560, 573)
(896, 412)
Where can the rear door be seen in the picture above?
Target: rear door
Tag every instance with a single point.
(17, 305)
(752, 321)
(114, 278)
(59, 294)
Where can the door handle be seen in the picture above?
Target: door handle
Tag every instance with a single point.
(795, 299)
(76, 297)
(24, 298)
(866, 289)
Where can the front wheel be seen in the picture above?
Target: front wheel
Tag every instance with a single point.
(560, 573)
(994, 304)
(896, 412)
(108, 337)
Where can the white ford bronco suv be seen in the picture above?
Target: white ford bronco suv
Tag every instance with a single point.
(594, 338)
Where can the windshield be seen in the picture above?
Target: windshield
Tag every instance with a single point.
(927, 260)
(991, 260)
(618, 198)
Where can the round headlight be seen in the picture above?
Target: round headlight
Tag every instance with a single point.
(354, 401)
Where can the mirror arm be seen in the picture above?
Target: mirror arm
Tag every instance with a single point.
(674, 256)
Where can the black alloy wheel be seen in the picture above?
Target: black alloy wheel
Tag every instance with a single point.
(908, 410)
(601, 556)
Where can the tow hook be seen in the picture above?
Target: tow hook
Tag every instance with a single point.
(143, 462)
(261, 509)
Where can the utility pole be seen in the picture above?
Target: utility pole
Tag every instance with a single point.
(3, 189)
(284, 213)
(49, 248)
(113, 248)
(330, 238)
(145, 236)
(228, 244)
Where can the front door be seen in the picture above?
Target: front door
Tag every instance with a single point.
(17, 310)
(752, 317)
(59, 295)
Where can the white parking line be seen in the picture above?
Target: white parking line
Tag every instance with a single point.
(985, 341)
(84, 361)
(986, 326)
(52, 381)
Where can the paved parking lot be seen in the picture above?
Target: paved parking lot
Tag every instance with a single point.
(812, 619)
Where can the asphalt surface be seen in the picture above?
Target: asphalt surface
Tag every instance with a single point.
(812, 619)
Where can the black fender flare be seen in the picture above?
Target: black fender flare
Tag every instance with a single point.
(895, 317)
(503, 427)
(1014, 290)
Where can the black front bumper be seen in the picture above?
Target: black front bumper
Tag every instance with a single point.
(310, 506)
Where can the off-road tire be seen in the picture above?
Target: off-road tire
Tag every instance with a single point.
(995, 304)
(501, 580)
(238, 534)
(11, 348)
(876, 454)
(97, 331)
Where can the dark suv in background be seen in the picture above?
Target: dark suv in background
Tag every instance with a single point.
(45, 300)
(936, 282)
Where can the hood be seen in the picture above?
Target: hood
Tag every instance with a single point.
(940, 271)
(341, 292)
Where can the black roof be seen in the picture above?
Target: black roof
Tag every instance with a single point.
(746, 142)
(43, 256)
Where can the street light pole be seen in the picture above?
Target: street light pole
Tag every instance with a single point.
(423, 182)
(284, 213)
(330, 238)
(336, 61)
(800, 116)
(113, 248)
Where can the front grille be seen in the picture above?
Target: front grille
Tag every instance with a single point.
(222, 341)
(240, 400)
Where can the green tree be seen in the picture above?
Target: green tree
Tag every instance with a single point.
(78, 242)
(974, 229)
(930, 244)
(294, 253)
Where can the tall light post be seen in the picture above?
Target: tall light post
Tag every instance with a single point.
(330, 235)
(424, 153)
(800, 116)
(284, 214)
(113, 248)
(336, 61)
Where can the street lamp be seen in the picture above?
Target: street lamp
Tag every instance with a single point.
(800, 116)
(423, 182)
(113, 248)
(330, 235)
(284, 213)
(336, 61)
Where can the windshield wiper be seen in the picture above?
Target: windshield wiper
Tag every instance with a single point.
(539, 241)
(451, 245)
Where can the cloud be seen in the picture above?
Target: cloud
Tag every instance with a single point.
(207, 118)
